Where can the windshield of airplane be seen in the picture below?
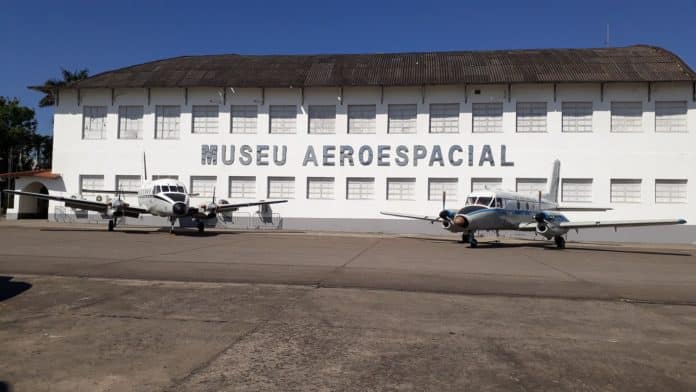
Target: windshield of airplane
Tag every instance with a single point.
(484, 201)
(470, 201)
(181, 189)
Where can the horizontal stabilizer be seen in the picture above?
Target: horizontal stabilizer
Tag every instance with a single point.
(579, 208)
(109, 191)
(410, 216)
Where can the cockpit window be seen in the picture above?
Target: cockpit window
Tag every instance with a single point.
(484, 201)
(470, 201)
(156, 190)
(498, 203)
(165, 188)
(181, 189)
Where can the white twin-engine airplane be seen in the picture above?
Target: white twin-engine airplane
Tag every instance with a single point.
(165, 197)
(504, 210)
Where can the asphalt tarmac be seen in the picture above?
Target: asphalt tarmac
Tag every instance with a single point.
(140, 309)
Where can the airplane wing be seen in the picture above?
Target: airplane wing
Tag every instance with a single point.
(109, 191)
(80, 204)
(621, 223)
(430, 219)
(228, 207)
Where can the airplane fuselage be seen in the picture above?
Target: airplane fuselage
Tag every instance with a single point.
(498, 210)
(166, 198)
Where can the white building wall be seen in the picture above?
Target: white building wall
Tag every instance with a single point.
(600, 155)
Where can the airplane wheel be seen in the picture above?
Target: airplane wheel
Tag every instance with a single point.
(560, 242)
(201, 227)
(111, 225)
(473, 243)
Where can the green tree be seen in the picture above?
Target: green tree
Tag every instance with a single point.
(17, 135)
(52, 85)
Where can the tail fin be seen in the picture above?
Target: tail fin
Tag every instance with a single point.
(552, 194)
(144, 168)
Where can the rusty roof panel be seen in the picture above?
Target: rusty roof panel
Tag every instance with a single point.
(627, 64)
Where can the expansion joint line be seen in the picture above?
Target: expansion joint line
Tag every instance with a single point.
(351, 259)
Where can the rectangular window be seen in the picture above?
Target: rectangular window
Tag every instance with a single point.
(577, 116)
(670, 191)
(130, 122)
(487, 117)
(203, 186)
(283, 119)
(670, 116)
(281, 187)
(164, 177)
(531, 186)
(625, 190)
(322, 119)
(482, 184)
(402, 118)
(577, 190)
(243, 118)
(401, 188)
(205, 119)
(436, 186)
(94, 122)
(91, 183)
(128, 183)
(360, 188)
(627, 117)
(242, 187)
(444, 118)
(320, 188)
(361, 118)
(167, 122)
(531, 117)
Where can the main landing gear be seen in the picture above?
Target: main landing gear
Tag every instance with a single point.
(113, 222)
(470, 239)
(172, 221)
(201, 226)
(560, 241)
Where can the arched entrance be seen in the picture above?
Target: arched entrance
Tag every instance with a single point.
(31, 207)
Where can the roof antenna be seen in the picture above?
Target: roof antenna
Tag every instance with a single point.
(606, 40)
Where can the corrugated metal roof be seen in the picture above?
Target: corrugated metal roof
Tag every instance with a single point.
(626, 64)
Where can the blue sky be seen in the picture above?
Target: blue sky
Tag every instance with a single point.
(38, 38)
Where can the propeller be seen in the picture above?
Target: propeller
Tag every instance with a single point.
(444, 197)
(443, 212)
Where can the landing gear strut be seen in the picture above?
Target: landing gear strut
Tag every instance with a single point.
(470, 239)
(172, 220)
(112, 225)
(201, 227)
(560, 242)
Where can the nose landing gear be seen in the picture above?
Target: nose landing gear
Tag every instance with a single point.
(201, 226)
(172, 220)
(470, 239)
(560, 241)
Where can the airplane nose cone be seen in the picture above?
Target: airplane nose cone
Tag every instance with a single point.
(179, 208)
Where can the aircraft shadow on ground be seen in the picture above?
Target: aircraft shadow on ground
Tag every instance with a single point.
(551, 247)
(5, 387)
(9, 289)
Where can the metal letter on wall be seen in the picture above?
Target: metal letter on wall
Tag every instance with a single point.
(262, 155)
(245, 155)
(209, 154)
(280, 160)
(383, 155)
(310, 156)
(401, 155)
(486, 155)
(346, 153)
(223, 155)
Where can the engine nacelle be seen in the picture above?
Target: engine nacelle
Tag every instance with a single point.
(549, 231)
(446, 224)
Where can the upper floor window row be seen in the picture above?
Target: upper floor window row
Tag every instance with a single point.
(487, 117)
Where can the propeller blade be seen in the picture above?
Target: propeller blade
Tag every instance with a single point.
(444, 197)
(213, 194)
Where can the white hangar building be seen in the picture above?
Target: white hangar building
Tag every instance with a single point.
(345, 136)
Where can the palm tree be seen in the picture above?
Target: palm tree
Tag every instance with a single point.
(52, 85)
